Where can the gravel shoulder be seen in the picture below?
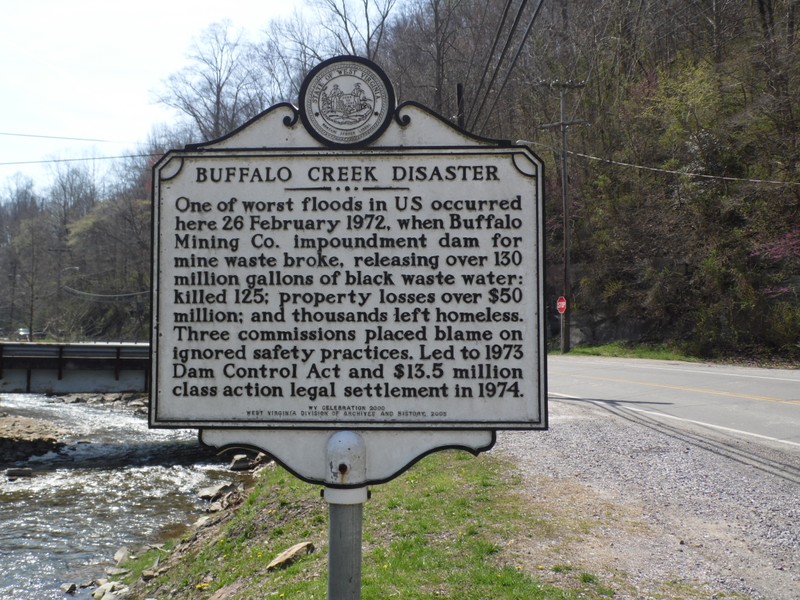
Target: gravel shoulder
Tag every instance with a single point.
(656, 513)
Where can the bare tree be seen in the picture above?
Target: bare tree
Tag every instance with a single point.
(289, 49)
(107, 296)
(18, 204)
(72, 195)
(425, 49)
(434, 45)
(358, 26)
(220, 89)
(30, 279)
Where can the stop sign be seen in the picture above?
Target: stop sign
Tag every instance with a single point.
(561, 305)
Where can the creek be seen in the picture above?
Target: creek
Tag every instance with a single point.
(117, 483)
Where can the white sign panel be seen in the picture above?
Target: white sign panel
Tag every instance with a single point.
(366, 289)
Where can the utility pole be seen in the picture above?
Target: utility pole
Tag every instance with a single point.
(564, 125)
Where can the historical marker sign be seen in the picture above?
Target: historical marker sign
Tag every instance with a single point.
(361, 267)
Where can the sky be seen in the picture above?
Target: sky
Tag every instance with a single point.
(90, 69)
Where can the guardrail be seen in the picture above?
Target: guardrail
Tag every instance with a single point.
(74, 368)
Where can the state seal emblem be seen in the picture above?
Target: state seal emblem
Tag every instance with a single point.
(346, 101)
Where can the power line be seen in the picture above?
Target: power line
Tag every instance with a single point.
(514, 26)
(61, 137)
(65, 160)
(513, 64)
(685, 173)
(578, 154)
(660, 170)
(489, 56)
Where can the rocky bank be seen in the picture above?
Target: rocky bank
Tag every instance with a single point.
(24, 437)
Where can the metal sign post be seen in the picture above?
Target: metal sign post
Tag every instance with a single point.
(561, 307)
(348, 286)
(347, 463)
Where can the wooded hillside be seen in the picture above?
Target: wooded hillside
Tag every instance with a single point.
(683, 178)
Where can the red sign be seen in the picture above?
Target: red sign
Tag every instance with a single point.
(561, 305)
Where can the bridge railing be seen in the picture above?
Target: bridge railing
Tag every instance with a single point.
(74, 368)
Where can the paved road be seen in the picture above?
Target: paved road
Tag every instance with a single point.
(762, 404)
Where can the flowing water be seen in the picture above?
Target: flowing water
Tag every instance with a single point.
(116, 484)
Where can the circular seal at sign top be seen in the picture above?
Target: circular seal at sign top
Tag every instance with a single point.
(346, 101)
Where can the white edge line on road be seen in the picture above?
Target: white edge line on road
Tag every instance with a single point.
(704, 371)
(720, 372)
(658, 414)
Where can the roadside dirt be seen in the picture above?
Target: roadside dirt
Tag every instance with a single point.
(590, 536)
(652, 516)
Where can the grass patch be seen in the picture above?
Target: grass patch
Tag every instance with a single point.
(563, 568)
(621, 350)
(439, 531)
(750, 357)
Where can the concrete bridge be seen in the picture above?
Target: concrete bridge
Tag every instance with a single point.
(74, 368)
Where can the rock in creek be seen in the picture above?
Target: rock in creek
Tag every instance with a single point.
(23, 437)
(13, 474)
(213, 492)
(69, 588)
(243, 462)
(122, 555)
(110, 590)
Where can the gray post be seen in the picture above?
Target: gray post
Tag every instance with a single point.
(344, 551)
(347, 465)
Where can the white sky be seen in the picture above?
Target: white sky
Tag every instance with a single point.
(90, 68)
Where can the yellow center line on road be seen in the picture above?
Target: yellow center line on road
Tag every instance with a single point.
(691, 389)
